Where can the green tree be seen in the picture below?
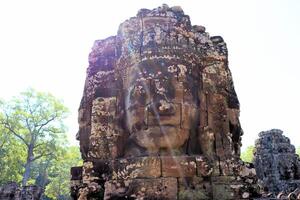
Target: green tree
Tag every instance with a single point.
(59, 173)
(298, 151)
(11, 166)
(248, 154)
(35, 119)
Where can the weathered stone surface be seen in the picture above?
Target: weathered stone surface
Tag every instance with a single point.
(159, 108)
(76, 181)
(204, 166)
(233, 187)
(159, 188)
(12, 191)
(223, 191)
(178, 166)
(141, 167)
(194, 188)
(277, 165)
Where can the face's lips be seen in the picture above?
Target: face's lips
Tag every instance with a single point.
(157, 130)
(154, 121)
(161, 126)
(160, 129)
(157, 137)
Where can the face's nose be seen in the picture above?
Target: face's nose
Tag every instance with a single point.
(163, 94)
(163, 108)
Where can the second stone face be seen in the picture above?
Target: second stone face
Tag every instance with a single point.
(276, 163)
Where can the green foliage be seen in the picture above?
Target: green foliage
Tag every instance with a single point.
(33, 140)
(11, 166)
(33, 126)
(59, 173)
(298, 151)
(248, 154)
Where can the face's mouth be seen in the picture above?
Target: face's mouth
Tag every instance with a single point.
(164, 136)
(158, 131)
(161, 129)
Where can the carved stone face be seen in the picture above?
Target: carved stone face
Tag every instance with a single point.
(161, 106)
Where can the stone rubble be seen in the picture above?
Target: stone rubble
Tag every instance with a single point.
(12, 191)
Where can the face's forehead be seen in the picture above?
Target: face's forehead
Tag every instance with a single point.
(154, 80)
(160, 69)
(157, 58)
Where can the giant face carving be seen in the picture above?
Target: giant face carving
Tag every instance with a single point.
(172, 90)
(161, 107)
(161, 88)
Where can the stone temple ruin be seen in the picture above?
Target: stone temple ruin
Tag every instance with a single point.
(277, 165)
(11, 191)
(159, 116)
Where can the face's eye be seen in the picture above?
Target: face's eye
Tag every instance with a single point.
(138, 94)
(163, 88)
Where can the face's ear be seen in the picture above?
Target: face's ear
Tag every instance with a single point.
(104, 129)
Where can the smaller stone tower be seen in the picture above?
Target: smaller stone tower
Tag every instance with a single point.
(277, 165)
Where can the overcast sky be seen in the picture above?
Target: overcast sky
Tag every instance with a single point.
(45, 45)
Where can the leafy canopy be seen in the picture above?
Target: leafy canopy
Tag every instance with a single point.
(35, 121)
(33, 147)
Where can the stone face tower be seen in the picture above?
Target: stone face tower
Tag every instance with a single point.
(159, 117)
(276, 163)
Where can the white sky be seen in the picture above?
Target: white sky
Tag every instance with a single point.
(45, 45)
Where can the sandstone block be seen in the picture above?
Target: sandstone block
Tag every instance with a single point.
(141, 167)
(204, 167)
(157, 188)
(223, 191)
(178, 166)
(194, 188)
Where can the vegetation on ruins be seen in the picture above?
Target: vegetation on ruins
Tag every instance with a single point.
(248, 154)
(33, 148)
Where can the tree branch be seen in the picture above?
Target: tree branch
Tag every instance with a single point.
(4, 141)
(2, 144)
(27, 124)
(41, 155)
(47, 122)
(38, 145)
(7, 126)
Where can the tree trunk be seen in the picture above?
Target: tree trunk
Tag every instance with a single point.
(26, 174)
(29, 160)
